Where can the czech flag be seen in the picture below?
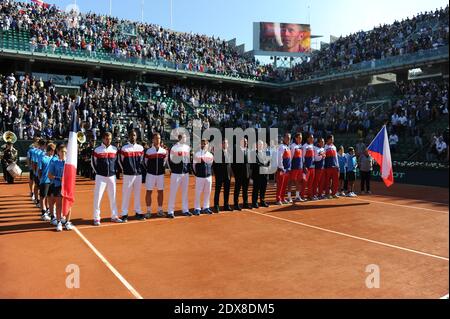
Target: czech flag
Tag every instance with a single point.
(380, 151)
(70, 167)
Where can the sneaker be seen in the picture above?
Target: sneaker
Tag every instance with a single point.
(116, 220)
(63, 220)
(369, 192)
(124, 218)
(68, 226)
(279, 203)
(45, 217)
(188, 213)
(96, 222)
(354, 195)
(329, 197)
(59, 227)
(54, 222)
(338, 193)
(287, 202)
(299, 199)
(207, 211)
(140, 217)
(171, 216)
(197, 212)
(315, 198)
(160, 213)
(147, 215)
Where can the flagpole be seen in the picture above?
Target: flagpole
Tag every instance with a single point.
(171, 14)
(142, 11)
(110, 7)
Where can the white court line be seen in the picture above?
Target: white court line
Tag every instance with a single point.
(444, 297)
(110, 267)
(120, 224)
(399, 205)
(155, 219)
(350, 236)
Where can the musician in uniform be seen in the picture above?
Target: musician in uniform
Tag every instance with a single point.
(89, 152)
(9, 157)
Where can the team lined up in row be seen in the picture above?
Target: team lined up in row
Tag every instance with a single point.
(313, 170)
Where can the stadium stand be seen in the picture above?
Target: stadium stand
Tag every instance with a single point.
(29, 27)
(35, 97)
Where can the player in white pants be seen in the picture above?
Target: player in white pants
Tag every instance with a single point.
(202, 165)
(103, 163)
(130, 160)
(179, 159)
(155, 163)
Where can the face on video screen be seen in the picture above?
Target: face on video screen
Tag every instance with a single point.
(285, 37)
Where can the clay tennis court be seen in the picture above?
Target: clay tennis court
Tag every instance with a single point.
(309, 250)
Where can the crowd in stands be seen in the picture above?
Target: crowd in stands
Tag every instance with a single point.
(425, 31)
(51, 29)
(438, 147)
(31, 107)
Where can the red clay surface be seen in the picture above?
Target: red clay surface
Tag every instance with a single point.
(309, 250)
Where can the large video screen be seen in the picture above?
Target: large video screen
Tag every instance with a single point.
(284, 37)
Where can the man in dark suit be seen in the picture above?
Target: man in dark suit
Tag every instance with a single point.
(242, 172)
(222, 173)
(260, 177)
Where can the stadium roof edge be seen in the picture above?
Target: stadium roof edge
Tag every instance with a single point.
(381, 66)
(37, 56)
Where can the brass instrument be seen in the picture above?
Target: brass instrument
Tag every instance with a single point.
(9, 137)
(81, 137)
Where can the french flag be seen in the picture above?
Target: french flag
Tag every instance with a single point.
(70, 167)
(381, 153)
(41, 3)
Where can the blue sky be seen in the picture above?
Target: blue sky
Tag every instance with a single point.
(233, 18)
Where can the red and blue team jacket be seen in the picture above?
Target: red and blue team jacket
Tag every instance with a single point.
(319, 161)
(308, 154)
(179, 158)
(104, 159)
(130, 159)
(203, 162)
(297, 156)
(331, 159)
(284, 157)
(155, 160)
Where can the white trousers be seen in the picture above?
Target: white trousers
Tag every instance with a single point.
(102, 183)
(202, 185)
(178, 180)
(131, 185)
